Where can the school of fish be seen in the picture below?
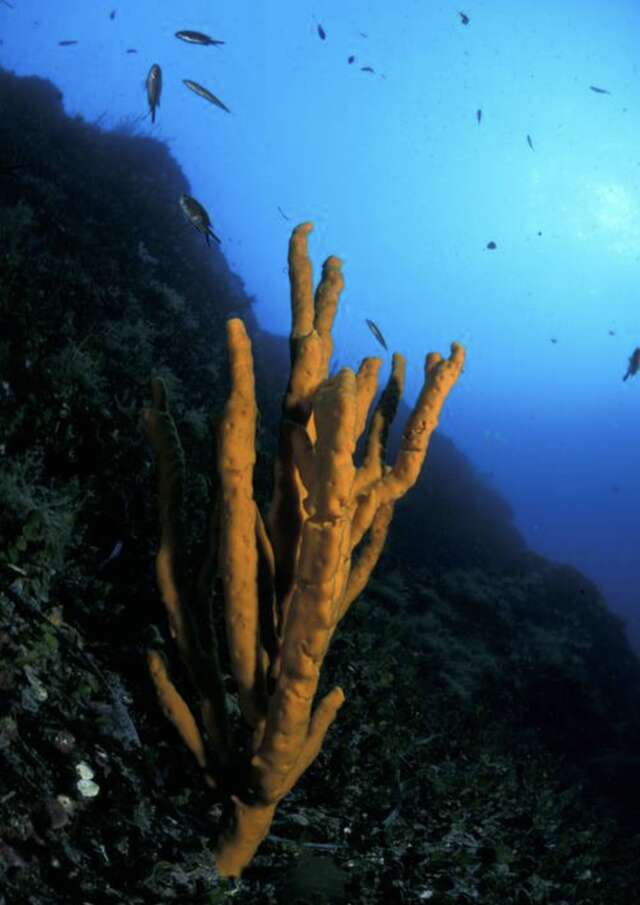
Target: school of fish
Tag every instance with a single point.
(196, 214)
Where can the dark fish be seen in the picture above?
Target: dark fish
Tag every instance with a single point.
(351, 59)
(132, 50)
(367, 69)
(154, 89)
(491, 246)
(115, 553)
(634, 364)
(66, 43)
(10, 168)
(197, 37)
(612, 332)
(599, 90)
(283, 213)
(112, 14)
(479, 116)
(376, 332)
(530, 143)
(321, 32)
(205, 93)
(553, 340)
(363, 35)
(464, 18)
(197, 216)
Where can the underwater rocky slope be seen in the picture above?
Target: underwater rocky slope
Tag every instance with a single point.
(485, 749)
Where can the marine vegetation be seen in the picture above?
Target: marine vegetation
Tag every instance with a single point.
(289, 580)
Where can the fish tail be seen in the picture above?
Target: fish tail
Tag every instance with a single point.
(153, 114)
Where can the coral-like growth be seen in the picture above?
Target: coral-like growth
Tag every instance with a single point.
(288, 580)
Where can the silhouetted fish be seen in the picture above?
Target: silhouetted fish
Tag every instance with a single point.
(554, 340)
(530, 143)
(197, 37)
(205, 93)
(464, 18)
(10, 168)
(491, 246)
(112, 14)
(115, 553)
(479, 116)
(321, 32)
(131, 50)
(367, 69)
(599, 90)
(376, 332)
(612, 332)
(351, 59)
(66, 43)
(634, 364)
(197, 216)
(154, 89)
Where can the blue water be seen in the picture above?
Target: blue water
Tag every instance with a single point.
(404, 183)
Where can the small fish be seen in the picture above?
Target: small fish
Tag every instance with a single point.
(530, 143)
(351, 59)
(132, 50)
(599, 90)
(321, 32)
(554, 340)
(112, 14)
(612, 332)
(376, 332)
(115, 553)
(479, 116)
(197, 37)
(154, 89)
(197, 216)
(10, 168)
(634, 364)
(367, 69)
(205, 93)
(283, 213)
(464, 18)
(66, 43)
(491, 246)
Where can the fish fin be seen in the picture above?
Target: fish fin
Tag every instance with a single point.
(218, 240)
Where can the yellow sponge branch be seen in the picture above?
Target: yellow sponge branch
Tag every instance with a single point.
(290, 579)
(238, 557)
